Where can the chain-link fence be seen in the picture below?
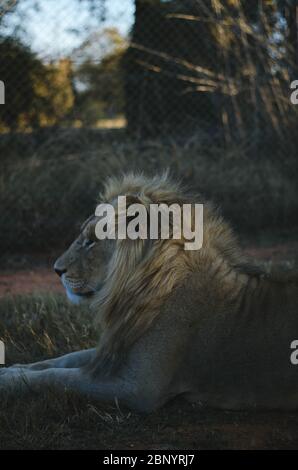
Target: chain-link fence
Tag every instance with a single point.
(224, 66)
(148, 84)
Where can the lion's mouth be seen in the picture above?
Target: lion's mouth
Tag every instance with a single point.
(77, 291)
(79, 297)
(85, 294)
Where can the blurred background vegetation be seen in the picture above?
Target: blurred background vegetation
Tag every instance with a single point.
(95, 87)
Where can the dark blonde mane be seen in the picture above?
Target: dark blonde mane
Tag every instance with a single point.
(142, 273)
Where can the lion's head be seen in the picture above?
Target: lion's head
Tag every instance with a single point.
(128, 280)
(82, 267)
(85, 265)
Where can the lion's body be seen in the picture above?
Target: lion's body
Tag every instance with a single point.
(198, 323)
(232, 353)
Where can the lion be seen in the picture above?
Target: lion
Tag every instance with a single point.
(201, 323)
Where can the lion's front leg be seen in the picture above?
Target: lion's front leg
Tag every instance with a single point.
(71, 360)
(19, 381)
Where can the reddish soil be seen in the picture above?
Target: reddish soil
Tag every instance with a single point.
(27, 281)
(42, 277)
(277, 253)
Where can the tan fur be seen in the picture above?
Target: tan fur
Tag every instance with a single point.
(141, 275)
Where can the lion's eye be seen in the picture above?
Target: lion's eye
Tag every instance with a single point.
(87, 243)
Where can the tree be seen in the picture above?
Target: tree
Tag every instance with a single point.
(36, 94)
(168, 45)
(99, 77)
(217, 65)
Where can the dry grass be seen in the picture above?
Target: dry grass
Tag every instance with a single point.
(40, 326)
(43, 325)
(46, 192)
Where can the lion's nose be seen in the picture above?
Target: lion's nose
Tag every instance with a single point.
(58, 270)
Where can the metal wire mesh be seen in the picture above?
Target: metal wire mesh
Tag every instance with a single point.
(171, 67)
(151, 83)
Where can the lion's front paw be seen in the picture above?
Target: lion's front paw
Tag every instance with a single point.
(3, 370)
(5, 378)
(11, 379)
(9, 374)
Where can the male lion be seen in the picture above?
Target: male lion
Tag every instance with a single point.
(174, 322)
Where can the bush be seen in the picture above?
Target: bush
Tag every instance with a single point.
(46, 196)
(36, 94)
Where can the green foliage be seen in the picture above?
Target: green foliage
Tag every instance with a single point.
(100, 78)
(36, 94)
(18, 67)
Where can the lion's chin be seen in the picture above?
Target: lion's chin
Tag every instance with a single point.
(77, 299)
